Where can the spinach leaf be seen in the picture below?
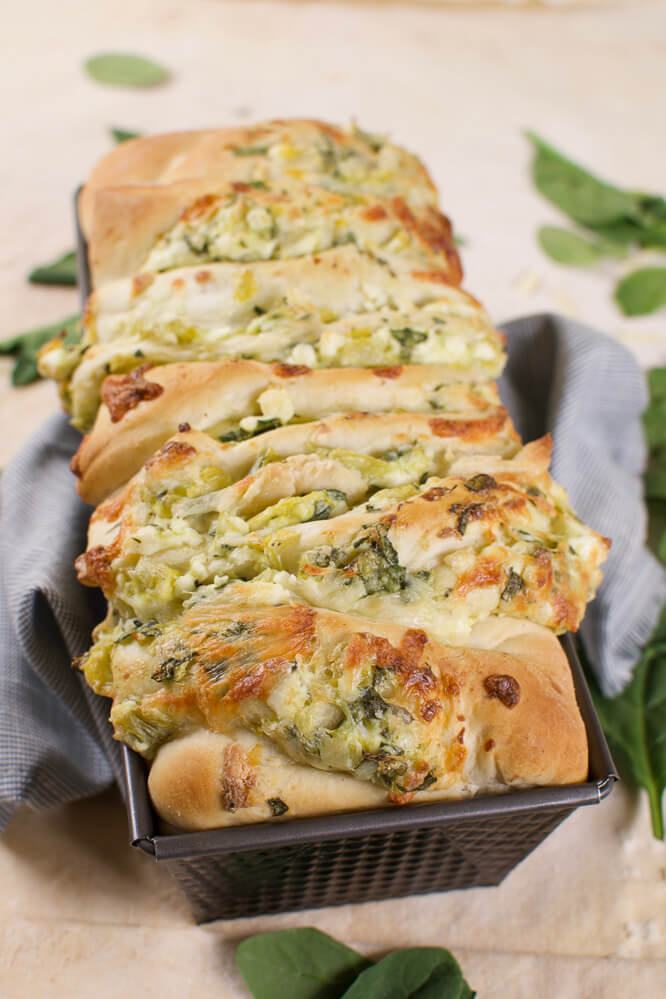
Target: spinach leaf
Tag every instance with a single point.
(567, 247)
(419, 973)
(578, 193)
(634, 724)
(250, 150)
(122, 135)
(61, 271)
(25, 347)
(298, 964)
(408, 339)
(634, 720)
(124, 69)
(642, 291)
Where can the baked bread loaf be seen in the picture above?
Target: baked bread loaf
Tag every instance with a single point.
(335, 578)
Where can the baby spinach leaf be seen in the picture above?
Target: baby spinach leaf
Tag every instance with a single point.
(578, 193)
(567, 247)
(122, 135)
(642, 291)
(655, 480)
(25, 347)
(61, 271)
(634, 725)
(124, 69)
(298, 964)
(416, 973)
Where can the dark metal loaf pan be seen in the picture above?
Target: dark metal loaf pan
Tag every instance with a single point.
(359, 856)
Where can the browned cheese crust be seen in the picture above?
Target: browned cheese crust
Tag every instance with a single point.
(494, 717)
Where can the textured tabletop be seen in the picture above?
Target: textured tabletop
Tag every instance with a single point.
(585, 914)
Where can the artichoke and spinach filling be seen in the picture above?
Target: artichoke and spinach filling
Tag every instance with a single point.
(276, 331)
(360, 534)
(262, 223)
(345, 162)
(328, 695)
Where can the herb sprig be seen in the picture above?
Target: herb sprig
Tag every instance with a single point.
(617, 221)
(309, 964)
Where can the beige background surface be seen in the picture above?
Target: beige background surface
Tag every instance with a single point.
(585, 915)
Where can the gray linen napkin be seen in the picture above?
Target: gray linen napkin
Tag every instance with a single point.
(55, 742)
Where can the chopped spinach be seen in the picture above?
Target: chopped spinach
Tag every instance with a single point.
(374, 706)
(514, 585)
(250, 150)
(277, 806)
(377, 564)
(479, 483)
(239, 434)
(168, 667)
(408, 338)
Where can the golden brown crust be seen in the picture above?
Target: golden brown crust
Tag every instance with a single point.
(538, 739)
(205, 394)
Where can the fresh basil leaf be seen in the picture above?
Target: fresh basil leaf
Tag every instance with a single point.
(61, 271)
(25, 347)
(642, 291)
(578, 193)
(423, 972)
(122, 135)
(124, 69)
(298, 964)
(634, 725)
(567, 247)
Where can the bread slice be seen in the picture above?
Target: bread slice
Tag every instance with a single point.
(310, 152)
(382, 705)
(195, 222)
(236, 399)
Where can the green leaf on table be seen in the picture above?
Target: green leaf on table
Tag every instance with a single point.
(634, 724)
(122, 135)
(25, 347)
(61, 271)
(567, 247)
(578, 193)
(124, 69)
(416, 973)
(643, 291)
(298, 964)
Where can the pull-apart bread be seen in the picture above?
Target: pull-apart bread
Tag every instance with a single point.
(335, 578)
(236, 400)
